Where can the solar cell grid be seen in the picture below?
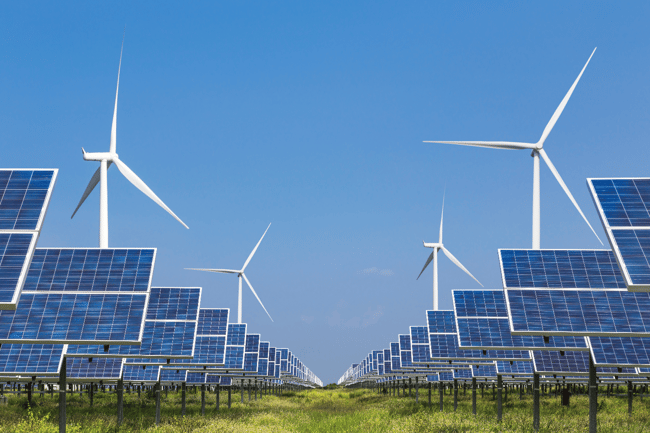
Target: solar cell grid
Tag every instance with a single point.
(98, 369)
(586, 269)
(264, 350)
(90, 270)
(515, 368)
(419, 335)
(634, 247)
(236, 335)
(31, 359)
(24, 198)
(441, 321)
(213, 321)
(173, 303)
(579, 312)
(576, 363)
(135, 373)
(253, 343)
(623, 202)
(484, 371)
(479, 303)
(620, 351)
(108, 318)
(404, 342)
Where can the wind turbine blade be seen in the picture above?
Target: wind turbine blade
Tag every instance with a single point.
(451, 257)
(425, 265)
(491, 144)
(258, 298)
(114, 126)
(221, 271)
(442, 214)
(560, 108)
(255, 249)
(138, 183)
(565, 188)
(91, 185)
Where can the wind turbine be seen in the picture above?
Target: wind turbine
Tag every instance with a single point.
(106, 159)
(537, 150)
(240, 274)
(434, 257)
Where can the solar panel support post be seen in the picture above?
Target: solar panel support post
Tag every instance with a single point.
(157, 387)
(120, 401)
(217, 392)
(417, 391)
(429, 395)
(229, 396)
(442, 392)
(91, 392)
(241, 391)
(536, 401)
(62, 390)
(29, 393)
(183, 390)
(474, 395)
(249, 390)
(409, 387)
(455, 394)
(629, 397)
(202, 399)
(499, 397)
(593, 396)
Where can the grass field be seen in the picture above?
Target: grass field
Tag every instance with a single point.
(327, 410)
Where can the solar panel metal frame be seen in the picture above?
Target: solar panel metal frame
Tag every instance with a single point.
(25, 268)
(635, 349)
(631, 286)
(70, 378)
(36, 373)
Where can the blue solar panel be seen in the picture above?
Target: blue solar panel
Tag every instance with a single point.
(620, 351)
(16, 250)
(624, 209)
(484, 371)
(169, 330)
(135, 373)
(622, 202)
(576, 363)
(441, 322)
(517, 368)
(579, 312)
(174, 303)
(250, 362)
(634, 248)
(446, 376)
(80, 318)
(195, 377)
(24, 198)
(569, 269)
(90, 270)
(462, 373)
(98, 369)
(252, 343)
(419, 335)
(213, 321)
(218, 380)
(237, 335)
(479, 303)
(234, 357)
(171, 375)
(31, 359)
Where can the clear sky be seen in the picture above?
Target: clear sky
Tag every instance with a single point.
(312, 116)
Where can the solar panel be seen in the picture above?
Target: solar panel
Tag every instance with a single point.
(135, 373)
(171, 375)
(169, 331)
(568, 269)
(16, 250)
(484, 371)
(491, 331)
(24, 198)
(517, 368)
(613, 313)
(574, 363)
(31, 359)
(624, 209)
(620, 351)
(220, 380)
(98, 369)
(90, 270)
(195, 377)
(251, 352)
(75, 318)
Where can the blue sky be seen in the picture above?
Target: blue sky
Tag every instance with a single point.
(312, 116)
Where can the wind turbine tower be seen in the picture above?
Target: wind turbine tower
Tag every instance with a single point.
(105, 160)
(537, 151)
(240, 274)
(433, 257)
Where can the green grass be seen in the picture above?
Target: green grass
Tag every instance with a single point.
(330, 410)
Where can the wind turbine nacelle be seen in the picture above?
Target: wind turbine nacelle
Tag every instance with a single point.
(99, 156)
(432, 244)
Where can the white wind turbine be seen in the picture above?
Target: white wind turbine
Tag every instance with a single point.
(106, 159)
(434, 257)
(537, 150)
(240, 274)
